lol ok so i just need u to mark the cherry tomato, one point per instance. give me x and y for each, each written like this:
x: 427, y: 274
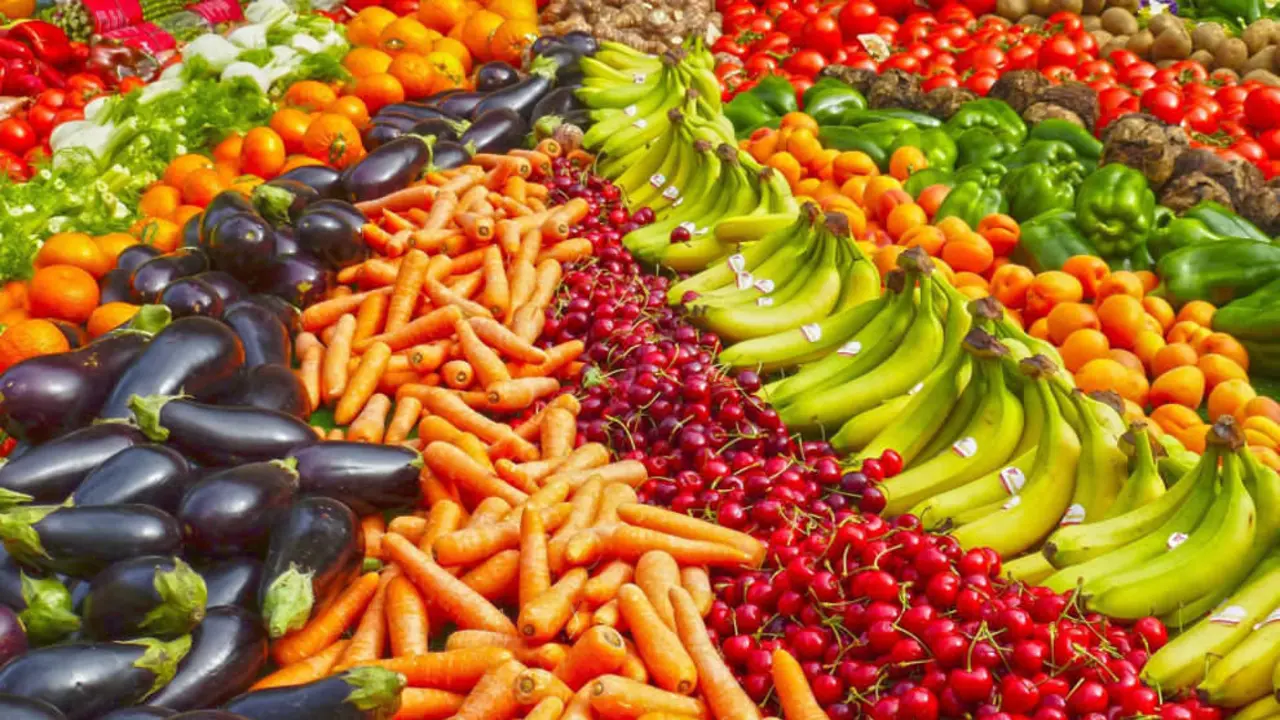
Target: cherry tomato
x: 860, y: 60
x: 1262, y: 108
x: 1085, y: 42
x: 778, y: 43
x: 760, y: 24
x: 807, y: 63
x: 1200, y: 119
x: 1067, y: 20
x: 962, y: 15
x: 68, y: 115
x: 41, y: 118
x: 821, y: 33
x: 940, y: 80
x: 1250, y: 150
x: 809, y: 8
x: 728, y: 45
x: 760, y: 64
x: 789, y: 22
x: 858, y: 17
x: 1112, y: 98
x: 1058, y: 74
x: 945, y: 60
x: 886, y: 27
x: 774, y: 8
x: 1190, y: 70
x: 985, y: 56
x: 1059, y: 50
x: 911, y: 33
x: 55, y: 98
x: 1021, y: 57
x: 903, y: 62
x: 1163, y: 101
x: 17, y: 135
x: 1140, y: 69
x: 1141, y: 85
x: 981, y: 81
x: 12, y: 166
x: 920, y: 51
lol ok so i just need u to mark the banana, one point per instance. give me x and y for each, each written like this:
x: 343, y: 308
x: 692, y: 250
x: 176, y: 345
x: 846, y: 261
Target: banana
x: 685, y: 179
x: 658, y: 155
x: 1031, y: 515
x: 867, y: 425
x: 747, y: 228
x: 1144, y: 484
x: 1103, y: 467
x: 1028, y: 569
x: 860, y: 280
x: 706, y: 190
x: 1244, y: 674
x: 621, y: 55
x: 953, y: 422
x: 1268, y: 708
x: 1181, y: 663
x: 703, y: 248
x: 644, y: 129
x: 747, y: 258
x: 609, y: 122
x: 646, y: 191
x: 651, y: 248
x: 923, y: 412
x: 787, y: 262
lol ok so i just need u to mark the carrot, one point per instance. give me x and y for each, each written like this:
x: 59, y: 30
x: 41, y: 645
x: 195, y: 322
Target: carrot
x: 497, y: 578
x: 496, y: 336
x: 451, y: 670
x: 532, y: 427
x: 453, y: 465
x: 542, y: 618
x: 407, y: 623
x: 580, y: 159
x: 534, y: 685
x: 614, y: 697
x: 442, y: 296
x: 547, y: 656
x: 369, y: 640
x: 457, y: 374
x: 429, y: 356
x: 373, y: 527
x: 667, y: 660
x: 475, y: 449
x: 434, y: 239
x: 434, y: 490
x: 558, y: 357
x: 497, y: 294
x: 514, y: 187
x: 475, y: 543
x: 362, y: 383
x: 513, y: 395
x: 435, y: 325
x: 550, y: 148
x: 724, y: 696
x: 633, y: 667
x: 612, y: 495
x: 603, y: 586
x: 442, y: 209
x: 489, y: 161
x: 548, y: 495
x: 550, y: 708
x: 467, y: 176
x: 469, y: 261
x: 326, y: 627
x: 631, y: 473
x: 476, y: 227
x: 493, y: 697
x: 567, y: 251
x: 629, y: 543
x: 656, y: 573
x: 370, y: 317
x: 513, y: 446
x: 427, y: 704
x: 599, y: 651
x: 559, y: 429
x: 404, y: 296
x: 489, y: 511
x: 608, y: 614
x: 434, y: 427
x: 585, y: 503
x: 578, y: 623
x: 488, y: 366
x: 371, y: 424
x: 466, y: 607
x: 465, y: 286
x: 408, y: 410
x: 309, y: 374
x: 305, y: 670
x: 586, y: 457
x: 411, y: 527
x: 655, y: 518
x: 535, y: 574
x: 444, y: 517
x: 539, y: 161
x: 408, y: 197
x: 793, y: 691
x: 525, y: 475
x: 697, y: 583
x: 336, y: 434
x: 334, y: 371
x: 447, y: 405
x: 579, y: 708
x: 326, y: 312
x: 523, y: 275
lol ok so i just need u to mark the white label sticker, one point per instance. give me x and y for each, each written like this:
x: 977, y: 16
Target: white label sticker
x: 744, y: 280
x: 849, y: 349
x: 1074, y: 515
x: 1274, y: 617
x: 639, y: 78
x: 876, y: 47
x: 671, y: 193
x: 764, y: 285
x: 965, y: 447
x: 694, y: 228
x: 1012, y: 478
x: 1156, y: 7
x: 1175, y: 540
x: 640, y: 124
x: 812, y: 332
x: 1230, y: 615
x: 736, y: 261
x: 764, y: 301
x: 916, y: 388
x: 677, y: 202
x: 630, y: 110
x: 1012, y: 503
x: 657, y: 179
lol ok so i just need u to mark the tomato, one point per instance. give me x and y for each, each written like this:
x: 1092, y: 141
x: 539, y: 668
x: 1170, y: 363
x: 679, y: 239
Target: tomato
x: 129, y: 84
x: 1224, y: 76
x: 760, y: 64
x: 1094, y: 69
x: 1021, y: 57
x: 729, y: 46
x: 940, y: 80
x: 1250, y: 150
x: 962, y: 15
x: 821, y: 33
x: 83, y: 87
x: 1112, y: 98
x: 1140, y: 69
x: 807, y: 63
x: 11, y: 166
x: 1059, y: 50
x: 774, y: 8
x: 801, y: 84
x: 1141, y: 85
x: 1190, y: 70
x: 1200, y: 119
x: 1262, y: 108
x: 778, y: 43
x: 1085, y: 42
x: 41, y: 118
x: 944, y: 60
x: 981, y: 81
x: 1163, y: 101
x: 737, y: 15
x: 911, y: 33
x: 887, y: 27
x: 920, y: 51
x: 36, y: 154
x: 860, y: 60
x: 1068, y: 21
x: 985, y: 56
x: 760, y: 24
x: 17, y: 135
x: 68, y: 115
x: 1199, y: 90
x: 903, y: 62
x: 789, y: 22
x: 57, y: 98
x: 858, y: 17
x: 809, y: 8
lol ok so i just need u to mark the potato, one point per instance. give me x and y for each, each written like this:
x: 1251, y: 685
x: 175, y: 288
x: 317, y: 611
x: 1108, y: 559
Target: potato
x: 1266, y: 77
x: 1164, y: 21
x: 1130, y: 5
x: 1094, y: 7
x: 1012, y: 9
x: 1258, y: 35
x: 1231, y: 53
x: 1119, y: 42
x: 1204, y: 57
x: 1140, y: 43
x: 1043, y: 8
x: 1171, y: 45
x: 1072, y: 6
x: 1207, y: 36
x: 1264, y: 59
x: 1102, y: 37
x: 1119, y: 21
x: 1091, y: 22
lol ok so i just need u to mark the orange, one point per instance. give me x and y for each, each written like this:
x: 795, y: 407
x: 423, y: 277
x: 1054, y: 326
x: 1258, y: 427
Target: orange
x: 310, y: 95
x: 64, y: 292
x: 1221, y: 343
x: 1081, y: 346
x: 906, y: 160
x: 449, y: 69
x: 74, y: 249
x: 291, y: 125
x: 1065, y: 318
x: 112, y: 244
x: 1198, y: 312
x: 297, y: 161
x: 333, y: 139
x: 441, y: 15
x: 163, y: 235
x: 513, y: 37
x: 185, y: 213
x: 406, y: 34
x: 1089, y: 270
x: 160, y: 200
x: 1050, y: 288
x: 1173, y: 355
x: 184, y: 165
x: 106, y: 318
x: 1218, y: 369
x: 379, y: 89
x: 363, y: 61
x: 201, y: 186
x: 1121, y: 282
x: 30, y: 338
x: 264, y: 152
x: 1181, y: 386
x: 477, y: 30
x: 229, y: 149
x: 368, y: 24
x: 1107, y: 374
x: 514, y: 9
x: 416, y: 75
x: 351, y: 108
x: 1121, y: 316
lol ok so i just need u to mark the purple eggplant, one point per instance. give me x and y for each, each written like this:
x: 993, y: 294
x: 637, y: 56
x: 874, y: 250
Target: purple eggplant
x: 87, y: 680
x: 286, y: 242
x: 400, y: 120
x: 191, y: 231
x: 561, y: 102
x: 316, y: 550
x: 495, y: 76
x: 270, y: 387
x: 197, y: 356
x: 147, y: 474
x: 393, y: 166
x: 496, y: 131
x: 459, y: 104
x: 133, y: 256
x: 228, y: 650
x: 447, y: 154
x: 299, y: 278
x: 523, y: 95
x: 223, y: 205
x: 52, y: 471
x: 281, y: 200
x: 367, y: 693
x: 114, y: 286
x: 265, y: 339
x: 368, y: 478
x: 441, y: 128
x: 190, y: 296
x: 242, y: 244
x: 13, y: 639
x: 544, y: 44
x: 17, y: 707
x: 220, y: 435
x: 321, y: 178
x: 230, y: 513
x: 345, y: 210
x: 332, y: 236
x: 154, y: 275
x: 154, y: 595
x: 584, y: 42
x: 11, y: 582
x: 210, y: 715
x: 565, y: 59
x: 225, y: 284
x: 84, y: 541
x: 140, y: 712
x: 415, y: 109
x: 381, y: 133
x: 233, y: 582
x: 284, y: 311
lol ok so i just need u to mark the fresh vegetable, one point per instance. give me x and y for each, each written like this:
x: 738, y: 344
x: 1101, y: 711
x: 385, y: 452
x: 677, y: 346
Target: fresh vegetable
x: 367, y: 478
x: 51, y: 471
x: 230, y: 512
x: 146, y: 474
x: 218, y: 434
x: 315, y: 550
x: 152, y: 596
x: 232, y: 582
x: 1115, y: 209
x: 358, y: 694
x: 194, y: 355
x: 83, y: 541
x: 228, y: 652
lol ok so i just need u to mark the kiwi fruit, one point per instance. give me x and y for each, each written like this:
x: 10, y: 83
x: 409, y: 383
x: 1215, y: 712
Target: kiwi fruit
x: 1140, y: 42
x: 1012, y: 9
x: 1266, y: 77
x: 1208, y: 36
x: 1119, y: 21
x: 1171, y: 45
x: 1162, y: 22
x: 1231, y: 53
x: 1258, y: 35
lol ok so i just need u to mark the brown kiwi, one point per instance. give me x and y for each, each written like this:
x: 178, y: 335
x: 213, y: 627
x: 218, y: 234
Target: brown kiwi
x: 1119, y: 42
x: 1204, y: 57
x: 1231, y: 53
x: 1119, y: 21
x: 1031, y: 20
x: 1094, y: 7
x: 1043, y: 8
x: 1171, y: 45
x: 1091, y: 22
x: 1266, y: 77
x: 1264, y: 59
x: 1072, y: 6
x: 1162, y: 22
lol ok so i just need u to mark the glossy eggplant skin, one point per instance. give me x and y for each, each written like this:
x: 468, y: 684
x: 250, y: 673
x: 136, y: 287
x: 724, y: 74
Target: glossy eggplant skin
x: 381, y: 133
x: 210, y: 715
x: 147, y: 474
x: 225, y: 284
x: 122, y: 598
x: 584, y: 42
x: 496, y: 130
x: 415, y: 110
x: 303, y: 195
x: 561, y: 102
x: 191, y: 296
x: 345, y: 210
x: 523, y: 95
x: 133, y: 256
x: 140, y: 712
x: 218, y: 435
x: 17, y: 707
x: 13, y: 636
x: 286, y: 243
x: 320, y: 699
x: 285, y: 311
x: 447, y: 155
x: 233, y: 583
x: 439, y: 128
x: 495, y: 76
x: 84, y: 541
x: 299, y: 278
x: 228, y: 650
x: 230, y: 513
x: 52, y: 471
x: 154, y: 275
x: 326, y: 181
x: 459, y: 105
x: 197, y: 356
x: 368, y: 478
x: 191, y: 231
x: 265, y: 339
x: 223, y: 205
x: 83, y: 680
x: 48, y: 395
x: 392, y: 166
x: 270, y: 387
x: 114, y: 286
x: 11, y: 582
x: 331, y: 236
x: 241, y: 244
x: 318, y: 542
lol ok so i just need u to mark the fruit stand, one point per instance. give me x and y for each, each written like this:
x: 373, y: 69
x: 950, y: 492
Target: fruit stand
x: 492, y: 359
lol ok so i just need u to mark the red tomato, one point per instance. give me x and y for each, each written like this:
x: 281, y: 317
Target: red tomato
x: 1250, y: 150
x: 940, y: 80
x: 41, y: 118
x: 778, y: 43
x: 12, y: 166
x: 1085, y: 42
x: 807, y: 63
x: 1068, y: 20
x: 729, y: 46
x: 774, y: 8
x: 1058, y: 74
x: 1138, y: 70
x: 911, y: 32
x: 821, y: 33
x: 68, y: 115
x: 1163, y: 101
x: 981, y: 81
x: 17, y: 136
x: 1112, y: 98
x: 760, y: 64
x: 1262, y: 108
x: 902, y: 61
x: 920, y: 51
x: 1094, y: 69
x: 958, y: 14
x: 1200, y: 119
x: 57, y: 98
x: 858, y: 17
x: 760, y: 24
x: 887, y: 27
x: 1190, y: 70
x: 809, y: 8
x: 129, y: 84
x: 801, y: 84
x: 1021, y: 57
x: 1141, y: 85
x: 1059, y: 50
x: 985, y: 56
x: 859, y: 59
x: 789, y: 22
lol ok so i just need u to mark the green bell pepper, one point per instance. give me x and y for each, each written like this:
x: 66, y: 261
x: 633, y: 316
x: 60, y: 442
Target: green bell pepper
x: 778, y: 94
x: 993, y: 115
x: 1219, y: 272
x: 927, y: 178
x: 1223, y: 221
x: 829, y: 99
x: 1049, y: 152
x: 1038, y: 188
x: 938, y: 147
x: 1047, y: 241
x: 987, y: 173
x: 1255, y: 316
x: 839, y: 137
x: 866, y: 117
x: 885, y: 132
x: 1088, y: 148
x: 1179, y: 233
x: 1116, y: 211
x: 977, y: 144
x: 749, y: 113
x: 971, y: 202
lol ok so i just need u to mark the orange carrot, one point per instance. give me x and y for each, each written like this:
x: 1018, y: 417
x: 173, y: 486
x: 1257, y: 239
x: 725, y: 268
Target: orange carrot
x: 697, y: 583
x: 435, y: 325
x: 539, y: 161
x: 444, y: 517
x: 326, y: 312
x: 489, y: 161
x: 514, y: 188
x: 633, y: 667
x: 309, y: 374
x: 476, y: 227
x: 542, y: 618
x: 373, y: 526
x: 603, y: 586
x: 534, y: 685
x: 325, y: 628
x: 452, y: 670
x: 362, y: 384
x: 794, y: 694
x: 535, y: 575
x: 559, y: 429
x: 466, y: 285
x: 334, y: 372
x: 580, y: 159
x: 427, y: 704
x: 475, y: 449
x: 414, y: 195
x: 656, y: 573
x: 411, y: 527
x: 532, y: 427
x: 548, y: 495
x: 496, y: 336
x: 568, y: 251
x: 371, y: 424
x: 724, y: 696
x: 407, y: 621
x: 629, y: 543
x: 608, y: 614
x: 513, y: 395
x: 442, y: 296
x: 404, y: 297
x: 451, y: 464
x: 369, y: 640
x: 667, y: 660
x: 489, y: 511
x: 477, y: 542
x: 628, y: 472
x: 614, y: 697
x: 497, y: 578
x: 370, y: 317
x: 408, y: 410
x: 457, y: 374
x: 470, y: 201
x: 442, y: 208
x: 585, y: 503
x: 550, y: 148
x: 434, y: 490
x: 550, y: 708
x: 547, y: 656
x: 375, y: 237
x: 466, y: 607
x: 488, y: 366
x: 468, y: 261
x: 558, y: 357
x: 655, y: 518
x: 497, y: 294
x: 586, y: 457
x: 666, y: 716
x: 429, y: 356
x: 493, y: 697
x: 599, y: 651
x: 306, y: 670
x: 446, y: 404
x: 434, y: 239
x: 336, y: 434
x: 579, y: 708
x: 523, y: 277
x: 524, y: 475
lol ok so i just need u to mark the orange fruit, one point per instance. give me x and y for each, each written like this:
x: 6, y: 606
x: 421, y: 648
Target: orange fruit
x: 1146, y: 345
x: 163, y: 235
x: 201, y: 186
x: 478, y: 30
x: 291, y: 125
x: 106, y: 318
x: 1121, y: 282
x: 160, y: 200
x: 1107, y: 374
x: 1218, y: 369
x: 185, y: 213
x: 184, y: 165
x: 297, y: 161
x: 1127, y: 359
x: 1261, y: 406
x: 1172, y: 355
x: 112, y: 244
x: 1229, y: 397
x: 1065, y: 318
x: 1121, y: 316
x: 229, y: 149
x: 310, y: 95
x: 1159, y: 309
x: 30, y: 338
x: 1221, y: 343
x: 906, y: 160
x: 363, y: 61
x: 64, y: 292
x: 514, y: 9
x: 74, y: 249
x: 1181, y: 386
x: 449, y: 70
x: 264, y: 152
x: 416, y: 74
x: 406, y: 34
x: 368, y: 24
x: 441, y: 15
x: 456, y: 49
x: 379, y: 89
x: 1049, y: 289
x: 333, y: 139
x: 509, y: 41
x: 1081, y: 346
x: 351, y: 108
x: 1198, y: 312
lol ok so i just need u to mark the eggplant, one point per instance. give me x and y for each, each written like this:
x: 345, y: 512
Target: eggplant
x: 242, y: 244
x: 233, y: 583
x: 87, y: 680
x: 323, y: 179
x: 224, y: 205
x: 345, y: 210
x: 583, y: 42
x: 265, y: 339
x: 220, y: 435
x: 146, y: 474
x: 565, y: 60
x: 197, y: 356
x: 544, y: 44
x: 154, y: 595
x: 189, y: 296
x: 209, y: 715
x: 140, y: 712
x: 132, y: 257
x: 50, y: 472
x: 228, y: 650
x: 393, y: 166
x: 316, y: 550
x: 114, y: 286
x: 441, y: 128
x: 11, y: 582
x: 230, y: 513
x: 366, y: 693
x: 332, y: 237
x: 561, y: 102
x: 400, y: 120
x: 496, y: 131
x: 368, y: 478
x: 282, y: 200
x: 459, y: 105
x: 284, y: 311
x: 75, y: 335
x: 17, y: 707
x: 48, y: 395
x: 381, y: 133
x: 495, y: 76
x: 286, y: 242
x: 417, y: 110
x: 48, y: 614
x: 523, y: 95
x: 299, y: 278
x: 84, y: 541
x: 154, y: 275
x: 191, y: 231
x: 447, y: 154
x: 225, y: 284
x: 270, y: 387
x: 13, y: 638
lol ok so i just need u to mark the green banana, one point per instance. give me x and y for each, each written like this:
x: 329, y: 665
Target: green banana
x: 870, y: 424
x: 1144, y: 484
x: 803, y: 344
x: 1244, y: 674
x: 1028, y: 569
x: 1103, y: 467
x: 1267, y: 708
